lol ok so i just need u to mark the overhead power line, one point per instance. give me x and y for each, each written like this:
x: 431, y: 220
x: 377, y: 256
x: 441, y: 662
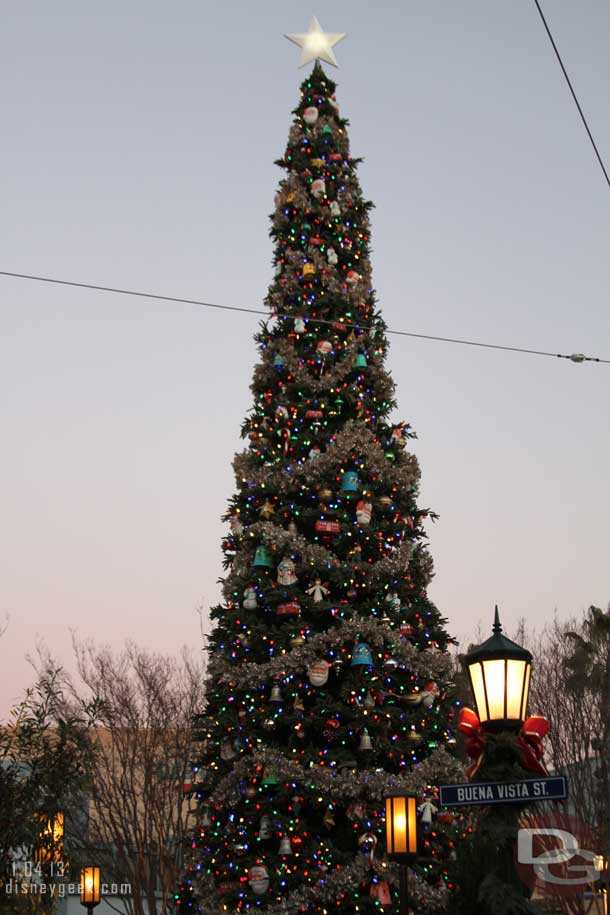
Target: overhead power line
x: 573, y: 357
x: 580, y: 111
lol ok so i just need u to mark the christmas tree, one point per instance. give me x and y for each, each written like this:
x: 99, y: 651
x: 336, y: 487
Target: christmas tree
x: 328, y: 666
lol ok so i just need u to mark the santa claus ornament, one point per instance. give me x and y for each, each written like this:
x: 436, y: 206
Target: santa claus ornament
x: 318, y: 188
x: 310, y: 115
x: 258, y: 878
x: 286, y: 574
x: 364, y: 512
x: 318, y: 673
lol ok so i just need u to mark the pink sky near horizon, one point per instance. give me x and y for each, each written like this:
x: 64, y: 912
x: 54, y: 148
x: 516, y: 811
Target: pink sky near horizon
x: 138, y: 153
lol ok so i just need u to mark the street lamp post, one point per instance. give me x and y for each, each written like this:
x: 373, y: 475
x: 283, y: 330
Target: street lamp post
x: 90, y: 891
x: 401, y: 838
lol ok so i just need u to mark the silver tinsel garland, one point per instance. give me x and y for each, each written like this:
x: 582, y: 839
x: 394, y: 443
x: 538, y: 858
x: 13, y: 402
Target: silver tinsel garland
x: 341, y: 785
x: 429, y: 664
x: 354, y: 438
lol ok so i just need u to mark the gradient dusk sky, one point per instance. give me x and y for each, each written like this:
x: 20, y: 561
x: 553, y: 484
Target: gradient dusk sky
x: 137, y: 151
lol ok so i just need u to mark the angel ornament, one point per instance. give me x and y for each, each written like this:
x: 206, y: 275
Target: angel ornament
x: 317, y: 591
x: 427, y: 810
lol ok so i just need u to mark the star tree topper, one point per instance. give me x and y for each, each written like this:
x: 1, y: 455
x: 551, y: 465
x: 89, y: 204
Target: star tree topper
x: 316, y: 44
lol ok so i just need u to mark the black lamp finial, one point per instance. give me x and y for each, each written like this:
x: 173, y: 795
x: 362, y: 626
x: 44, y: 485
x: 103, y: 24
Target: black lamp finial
x: 497, y: 627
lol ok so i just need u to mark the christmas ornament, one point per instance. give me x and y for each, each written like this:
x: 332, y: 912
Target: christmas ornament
x: 285, y: 846
x: 429, y: 694
x: 335, y: 209
x: 298, y: 704
x: 324, y: 347
x: 309, y: 271
x: 360, y: 362
x: 317, y: 591
x: 352, y: 278
x: 329, y: 819
x: 281, y: 414
x: 289, y: 608
x: 292, y: 529
x: 318, y: 188
x: 365, y: 741
x: 298, y: 640
x: 318, y: 673
x: 249, y: 602
x: 267, y: 509
x: 362, y: 654
x: 269, y: 724
x: 384, y: 502
x: 356, y: 810
x: 286, y: 574
x: 278, y: 361
x: 414, y: 738
x: 258, y: 878
x: 350, y: 481
x: 299, y: 326
x: 328, y: 527
x: 364, y: 511
x: 262, y: 557
x: 314, y: 453
x: 206, y: 819
x: 331, y: 257
x: 406, y: 629
x: 427, y: 810
x: 325, y: 495
x: 276, y: 694
x: 316, y: 44
x: 368, y: 701
x: 236, y: 525
x: 310, y: 115
x: 367, y: 843
x: 265, y: 829
x: 381, y: 892
x: 393, y: 600
x: 227, y: 751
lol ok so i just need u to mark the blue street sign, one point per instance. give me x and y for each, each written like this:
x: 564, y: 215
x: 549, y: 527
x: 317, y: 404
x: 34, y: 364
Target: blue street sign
x: 531, y: 789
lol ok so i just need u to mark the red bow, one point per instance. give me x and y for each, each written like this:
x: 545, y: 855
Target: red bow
x: 530, y: 739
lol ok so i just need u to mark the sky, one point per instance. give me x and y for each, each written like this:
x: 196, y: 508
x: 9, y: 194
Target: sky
x: 138, y: 148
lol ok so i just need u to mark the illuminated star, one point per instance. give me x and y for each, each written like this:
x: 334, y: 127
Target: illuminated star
x: 316, y: 44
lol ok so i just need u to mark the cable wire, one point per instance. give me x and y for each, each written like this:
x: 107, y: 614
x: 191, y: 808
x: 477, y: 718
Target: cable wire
x: 584, y: 120
x: 573, y: 357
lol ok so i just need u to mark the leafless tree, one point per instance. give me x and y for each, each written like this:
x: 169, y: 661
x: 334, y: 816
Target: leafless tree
x: 139, y: 764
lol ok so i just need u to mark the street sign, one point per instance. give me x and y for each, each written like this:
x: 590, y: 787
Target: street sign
x: 531, y: 789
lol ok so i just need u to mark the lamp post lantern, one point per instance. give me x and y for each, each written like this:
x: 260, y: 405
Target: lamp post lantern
x: 499, y: 672
x: 401, y: 838
x: 90, y: 890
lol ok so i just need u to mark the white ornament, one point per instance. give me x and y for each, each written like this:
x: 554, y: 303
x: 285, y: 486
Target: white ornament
x: 331, y: 256
x: 317, y: 591
x: 427, y: 810
x: 314, y: 453
x: 364, y: 512
x: 318, y: 188
x: 335, y: 209
x: 286, y: 572
x: 236, y: 525
x: 318, y: 673
x: 292, y: 529
x: 310, y: 115
x: 393, y: 600
x: 299, y: 326
x: 316, y: 44
x: 265, y: 830
x: 258, y: 878
x: 250, y: 599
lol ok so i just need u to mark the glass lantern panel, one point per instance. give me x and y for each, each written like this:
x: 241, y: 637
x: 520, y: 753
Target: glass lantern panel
x: 494, y: 672
x: 478, y: 688
x: 515, y: 676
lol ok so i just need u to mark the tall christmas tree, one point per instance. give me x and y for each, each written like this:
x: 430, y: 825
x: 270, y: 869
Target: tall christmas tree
x: 327, y: 663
